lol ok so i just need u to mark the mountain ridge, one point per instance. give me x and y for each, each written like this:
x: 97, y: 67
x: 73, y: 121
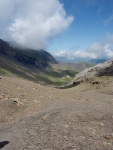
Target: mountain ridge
x: 38, y: 66
x: 39, y: 58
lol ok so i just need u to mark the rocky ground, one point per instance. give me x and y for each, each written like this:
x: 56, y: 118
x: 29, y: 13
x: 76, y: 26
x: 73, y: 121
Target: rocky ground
x: 37, y: 117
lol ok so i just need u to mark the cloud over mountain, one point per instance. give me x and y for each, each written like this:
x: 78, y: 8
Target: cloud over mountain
x: 32, y: 23
x: 95, y: 51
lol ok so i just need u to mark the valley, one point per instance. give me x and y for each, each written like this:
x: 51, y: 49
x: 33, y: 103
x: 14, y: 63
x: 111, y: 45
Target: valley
x: 38, y: 110
x: 56, y: 75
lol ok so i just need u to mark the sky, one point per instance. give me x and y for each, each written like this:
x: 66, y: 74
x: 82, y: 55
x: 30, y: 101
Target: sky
x: 73, y: 29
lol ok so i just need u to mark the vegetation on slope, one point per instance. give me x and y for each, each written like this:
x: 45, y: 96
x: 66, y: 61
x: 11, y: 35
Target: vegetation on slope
x: 37, y: 66
x: 48, y: 75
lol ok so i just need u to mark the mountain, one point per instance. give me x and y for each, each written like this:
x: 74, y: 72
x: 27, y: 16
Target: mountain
x: 67, y: 60
x: 38, y: 66
x: 80, y: 66
x: 97, y: 61
x: 35, y: 58
x: 80, y: 60
x: 87, y: 75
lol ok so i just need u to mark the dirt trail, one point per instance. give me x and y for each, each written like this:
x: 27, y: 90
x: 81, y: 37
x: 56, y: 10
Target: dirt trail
x: 37, y: 117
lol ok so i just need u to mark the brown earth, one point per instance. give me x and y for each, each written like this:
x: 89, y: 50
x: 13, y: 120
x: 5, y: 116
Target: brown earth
x: 37, y: 117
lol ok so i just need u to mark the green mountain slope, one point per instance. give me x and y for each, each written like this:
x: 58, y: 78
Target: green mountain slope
x: 38, y: 66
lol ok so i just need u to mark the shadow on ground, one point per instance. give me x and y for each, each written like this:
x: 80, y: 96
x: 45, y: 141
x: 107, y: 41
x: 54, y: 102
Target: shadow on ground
x: 2, y: 144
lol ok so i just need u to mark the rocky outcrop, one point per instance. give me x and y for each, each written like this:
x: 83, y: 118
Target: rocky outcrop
x: 102, y: 69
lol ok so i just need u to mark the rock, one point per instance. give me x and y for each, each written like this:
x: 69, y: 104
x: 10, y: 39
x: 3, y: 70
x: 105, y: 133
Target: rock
x: 16, y: 101
x: 102, y: 69
x: 108, y: 137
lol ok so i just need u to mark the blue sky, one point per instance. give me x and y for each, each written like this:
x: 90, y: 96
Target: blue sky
x: 73, y: 29
x: 93, y: 24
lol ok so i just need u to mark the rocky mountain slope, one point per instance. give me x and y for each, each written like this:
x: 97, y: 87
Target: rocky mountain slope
x: 102, y: 69
x: 80, y: 66
x: 26, y: 56
x: 39, y: 66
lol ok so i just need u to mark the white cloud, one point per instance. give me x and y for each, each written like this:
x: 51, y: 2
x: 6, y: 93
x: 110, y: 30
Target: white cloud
x: 102, y: 50
x: 64, y: 53
x: 74, y: 55
x: 95, y: 51
x: 32, y: 23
